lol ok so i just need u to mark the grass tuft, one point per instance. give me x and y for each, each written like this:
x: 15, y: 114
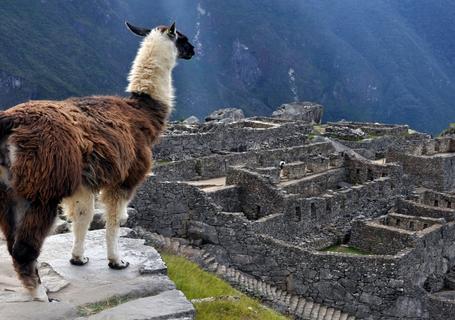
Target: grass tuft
x: 94, y: 308
x: 196, y: 283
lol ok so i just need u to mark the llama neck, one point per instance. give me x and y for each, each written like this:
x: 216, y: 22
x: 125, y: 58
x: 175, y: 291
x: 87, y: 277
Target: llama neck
x: 151, y: 73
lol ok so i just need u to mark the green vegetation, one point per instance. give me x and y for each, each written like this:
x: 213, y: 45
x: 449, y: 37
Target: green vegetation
x: 384, y: 63
x: 345, y: 249
x: 449, y: 131
x: 198, y: 284
x: 162, y: 161
x: 93, y: 308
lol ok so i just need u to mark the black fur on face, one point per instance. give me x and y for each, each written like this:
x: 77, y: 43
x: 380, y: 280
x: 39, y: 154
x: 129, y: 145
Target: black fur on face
x: 184, y: 47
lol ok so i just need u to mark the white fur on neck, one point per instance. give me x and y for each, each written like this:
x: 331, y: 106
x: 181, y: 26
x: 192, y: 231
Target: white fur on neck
x: 152, y: 69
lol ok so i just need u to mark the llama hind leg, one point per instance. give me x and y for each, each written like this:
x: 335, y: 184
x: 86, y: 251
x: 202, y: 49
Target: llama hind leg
x: 7, y: 217
x: 80, y: 208
x: 116, y: 202
x: 31, y: 231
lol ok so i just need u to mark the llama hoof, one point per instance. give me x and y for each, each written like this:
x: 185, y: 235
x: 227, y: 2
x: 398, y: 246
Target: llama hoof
x: 39, y: 294
x: 118, y: 265
x: 53, y: 300
x: 79, y: 261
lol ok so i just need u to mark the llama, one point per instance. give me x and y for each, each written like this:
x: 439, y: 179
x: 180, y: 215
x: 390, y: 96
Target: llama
x: 54, y: 152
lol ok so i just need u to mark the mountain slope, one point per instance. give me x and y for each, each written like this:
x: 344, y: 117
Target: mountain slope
x: 378, y: 60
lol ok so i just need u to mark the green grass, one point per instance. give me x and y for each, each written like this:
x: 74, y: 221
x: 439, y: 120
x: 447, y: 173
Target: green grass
x: 162, y: 161
x: 93, y: 308
x: 196, y: 283
x: 345, y: 249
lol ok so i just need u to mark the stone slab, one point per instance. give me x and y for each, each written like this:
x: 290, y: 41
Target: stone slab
x: 76, y: 286
x: 167, y: 305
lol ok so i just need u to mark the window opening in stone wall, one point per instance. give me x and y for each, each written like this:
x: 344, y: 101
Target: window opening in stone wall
x: 449, y: 204
x: 370, y: 175
x: 436, y: 203
x: 313, y: 209
x: 298, y: 214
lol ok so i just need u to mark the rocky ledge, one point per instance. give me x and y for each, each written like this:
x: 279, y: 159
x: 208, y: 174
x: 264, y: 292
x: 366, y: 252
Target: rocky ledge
x: 149, y: 293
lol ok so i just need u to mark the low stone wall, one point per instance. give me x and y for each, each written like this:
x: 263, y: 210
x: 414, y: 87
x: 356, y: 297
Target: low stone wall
x: 361, y: 171
x: 257, y: 196
x: 230, y: 137
x: 416, y: 209
x: 314, y: 185
x: 374, y: 128
x: 377, y: 147
x: 438, y: 199
x: 228, y: 198
x: 433, y: 172
x: 375, y: 238
x: 217, y: 165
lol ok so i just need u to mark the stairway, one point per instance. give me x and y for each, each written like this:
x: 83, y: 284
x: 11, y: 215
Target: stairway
x: 297, y: 306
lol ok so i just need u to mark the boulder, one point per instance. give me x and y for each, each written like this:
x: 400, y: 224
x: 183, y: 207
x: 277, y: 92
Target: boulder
x: 345, y: 133
x: 303, y: 111
x: 226, y: 115
x: 191, y: 120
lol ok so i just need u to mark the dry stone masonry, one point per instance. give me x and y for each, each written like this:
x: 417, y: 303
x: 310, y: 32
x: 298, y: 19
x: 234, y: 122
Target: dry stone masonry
x: 355, y: 217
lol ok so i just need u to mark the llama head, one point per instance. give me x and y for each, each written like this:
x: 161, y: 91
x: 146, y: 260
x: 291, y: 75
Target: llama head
x: 169, y: 36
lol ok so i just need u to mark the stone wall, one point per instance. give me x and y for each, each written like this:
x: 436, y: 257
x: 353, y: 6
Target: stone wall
x: 229, y: 137
x: 217, y: 165
x: 412, y: 208
x: 375, y: 129
x: 438, y: 199
x: 257, y: 195
x: 375, y: 238
x: 434, y: 172
x: 350, y: 283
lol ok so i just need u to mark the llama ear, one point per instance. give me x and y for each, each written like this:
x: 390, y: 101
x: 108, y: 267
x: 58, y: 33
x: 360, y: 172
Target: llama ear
x: 142, y: 32
x: 172, y: 29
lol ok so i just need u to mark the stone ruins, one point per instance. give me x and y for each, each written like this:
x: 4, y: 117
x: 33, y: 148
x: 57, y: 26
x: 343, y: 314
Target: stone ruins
x: 341, y: 220
x: 334, y: 221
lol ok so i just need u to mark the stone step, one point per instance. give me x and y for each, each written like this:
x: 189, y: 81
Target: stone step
x: 293, y: 304
x: 315, y: 311
x: 205, y: 255
x: 336, y: 315
x: 344, y: 316
x: 307, y: 309
x: 167, y: 305
x: 450, y: 280
x: 300, y: 307
x: 209, y: 260
x: 322, y: 313
x: 329, y: 314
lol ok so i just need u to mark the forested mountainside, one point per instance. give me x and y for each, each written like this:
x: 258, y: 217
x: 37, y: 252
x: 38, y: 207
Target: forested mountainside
x: 378, y: 60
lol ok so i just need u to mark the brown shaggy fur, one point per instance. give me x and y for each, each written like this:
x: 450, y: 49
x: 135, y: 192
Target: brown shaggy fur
x: 97, y: 142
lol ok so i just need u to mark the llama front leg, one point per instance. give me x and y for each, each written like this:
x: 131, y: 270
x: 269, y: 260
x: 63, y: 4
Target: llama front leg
x: 116, y: 211
x: 80, y: 208
x: 32, y: 229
